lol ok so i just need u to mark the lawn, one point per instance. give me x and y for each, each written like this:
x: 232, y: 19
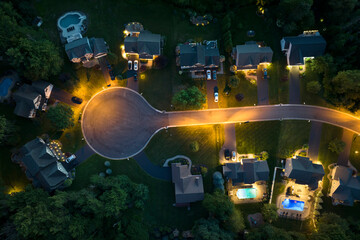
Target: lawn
x: 176, y: 141
x: 355, y: 153
x: 326, y: 157
x: 278, y: 82
x: 159, y: 209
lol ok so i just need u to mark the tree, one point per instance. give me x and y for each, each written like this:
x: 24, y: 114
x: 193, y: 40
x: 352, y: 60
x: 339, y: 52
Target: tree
x: 209, y: 229
x: 269, y: 212
x: 313, y: 87
x: 113, y: 58
x: 7, y: 130
x: 236, y: 222
x: 269, y: 232
x: 336, y: 146
x: 332, y: 227
x: 218, y: 181
x: 264, y: 155
x: 234, y: 81
x: 38, y: 59
x: 61, y: 116
x: 160, y: 62
x: 219, y: 205
x: 194, y: 146
x: 190, y: 98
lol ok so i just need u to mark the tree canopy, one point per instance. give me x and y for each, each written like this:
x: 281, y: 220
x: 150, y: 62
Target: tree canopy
x: 190, y: 98
x: 209, y: 229
x: 7, y: 129
x: 219, y: 205
x: 269, y: 212
x: 336, y: 145
x: 61, y: 116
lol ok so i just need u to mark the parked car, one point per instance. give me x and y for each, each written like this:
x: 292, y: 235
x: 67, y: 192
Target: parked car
x: 136, y: 65
x: 135, y: 77
x: 69, y: 159
x: 108, y: 65
x: 216, y: 97
x: 227, y: 154
x: 130, y: 65
x: 265, y: 73
x: 208, y: 74
x: 233, y: 154
x: 112, y: 75
x: 76, y: 100
x: 109, y: 85
x: 214, y: 74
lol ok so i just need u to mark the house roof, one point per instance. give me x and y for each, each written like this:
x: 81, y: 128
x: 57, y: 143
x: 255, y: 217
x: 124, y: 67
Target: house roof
x: 42, y: 165
x: 188, y: 188
x: 248, y: 171
x: 304, y: 171
x: 146, y: 43
x: 192, y: 55
x: 25, y: 99
x: 78, y: 48
x: 99, y: 46
x: 344, y: 186
x: 303, y: 46
x: 251, y: 54
x: 40, y: 86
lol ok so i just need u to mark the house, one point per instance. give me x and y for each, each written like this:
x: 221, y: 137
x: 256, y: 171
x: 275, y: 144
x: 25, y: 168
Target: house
x: 196, y: 57
x: 85, y: 49
x: 41, y: 164
x: 303, y: 171
x: 188, y: 188
x: 308, y: 45
x: 345, y: 188
x: 250, y: 55
x: 248, y: 171
x: 30, y: 98
x: 145, y: 46
x: 133, y: 29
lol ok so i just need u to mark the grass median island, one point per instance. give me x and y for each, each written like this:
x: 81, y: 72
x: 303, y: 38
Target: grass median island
x: 158, y: 209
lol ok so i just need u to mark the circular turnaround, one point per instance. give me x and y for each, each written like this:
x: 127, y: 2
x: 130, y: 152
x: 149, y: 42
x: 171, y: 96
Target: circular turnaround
x: 117, y: 123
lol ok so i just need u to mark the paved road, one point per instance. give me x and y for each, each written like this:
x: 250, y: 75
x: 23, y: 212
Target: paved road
x: 294, y: 86
x: 262, y: 87
x: 314, y: 140
x: 344, y: 156
x: 117, y: 123
x: 163, y: 173
x: 210, y: 84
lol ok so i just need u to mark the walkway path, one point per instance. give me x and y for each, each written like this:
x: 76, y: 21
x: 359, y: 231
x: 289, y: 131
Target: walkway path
x: 344, y: 156
x: 294, y: 86
x: 152, y: 169
x: 176, y: 157
x: 262, y: 87
x: 314, y: 140
x: 123, y: 128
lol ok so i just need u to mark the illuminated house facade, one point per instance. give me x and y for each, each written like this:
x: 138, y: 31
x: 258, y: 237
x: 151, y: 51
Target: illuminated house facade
x: 250, y: 55
x: 298, y: 49
x: 84, y: 49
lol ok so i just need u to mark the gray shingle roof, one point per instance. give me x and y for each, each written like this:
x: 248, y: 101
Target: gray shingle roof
x: 78, y: 48
x: 146, y: 44
x: 302, y: 46
x: 344, y: 187
x: 249, y: 172
x: 198, y: 55
x: 25, y: 99
x: 304, y: 171
x: 188, y: 188
x: 99, y: 46
x: 251, y: 55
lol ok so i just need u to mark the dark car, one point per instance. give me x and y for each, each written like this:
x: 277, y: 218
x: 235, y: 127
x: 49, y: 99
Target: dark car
x: 76, y: 100
x: 112, y: 75
x: 214, y: 74
x: 227, y: 154
x: 135, y: 77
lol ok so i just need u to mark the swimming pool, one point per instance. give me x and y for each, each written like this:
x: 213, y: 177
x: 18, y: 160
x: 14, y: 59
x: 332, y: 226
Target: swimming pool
x: 293, y: 204
x: 246, y: 193
x: 4, y: 86
x: 70, y: 19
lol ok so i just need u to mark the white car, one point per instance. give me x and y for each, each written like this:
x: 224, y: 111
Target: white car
x: 216, y: 97
x: 208, y: 74
x: 129, y: 64
x: 69, y: 159
x: 136, y: 65
x: 233, y: 156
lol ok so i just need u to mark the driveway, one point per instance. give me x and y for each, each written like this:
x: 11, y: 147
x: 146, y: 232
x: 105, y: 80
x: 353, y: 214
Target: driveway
x: 230, y: 140
x: 314, y: 140
x: 81, y: 155
x: 134, y: 85
x: 123, y: 128
x: 65, y: 97
x: 262, y: 87
x: 105, y: 70
x: 344, y: 156
x: 294, y: 86
x: 210, y: 84
x: 163, y: 173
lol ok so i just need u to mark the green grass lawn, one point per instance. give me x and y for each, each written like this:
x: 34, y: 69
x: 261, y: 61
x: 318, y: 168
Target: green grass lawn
x: 176, y: 141
x: 355, y: 152
x: 159, y: 209
x: 245, y: 87
x: 326, y: 157
x: 278, y: 85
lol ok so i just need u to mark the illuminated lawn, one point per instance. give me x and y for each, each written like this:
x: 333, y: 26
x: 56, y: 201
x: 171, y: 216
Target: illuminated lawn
x: 355, y: 153
x: 158, y: 209
x: 278, y: 87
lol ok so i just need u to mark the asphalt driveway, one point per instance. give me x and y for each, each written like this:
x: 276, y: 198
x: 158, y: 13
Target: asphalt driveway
x: 314, y: 140
x: 294, y: 86
x: 210, y: 85
x: 262, y: 87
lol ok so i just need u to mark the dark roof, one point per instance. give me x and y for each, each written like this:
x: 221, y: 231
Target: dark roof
x: 303, y: 46
x: 99, y: 46
x: 248, y: 171
x: 42, y: 165
x: 195, y: 55
x: 345, y: 187
x: 304, y: 171
x: 78, y: 48
x: 146, y: 44
x: 188, y: 188
x: 251, y: 55
x: 26, y: 98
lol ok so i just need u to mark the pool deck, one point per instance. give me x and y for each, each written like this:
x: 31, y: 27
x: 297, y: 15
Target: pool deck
x: 261, y: 189
x: 64, y: 34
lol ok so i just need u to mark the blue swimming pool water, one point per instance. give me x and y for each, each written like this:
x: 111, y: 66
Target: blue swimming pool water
x: 69, y: 19
x: 293, y: 204
x: 4, y: 86
x: 246, y: 193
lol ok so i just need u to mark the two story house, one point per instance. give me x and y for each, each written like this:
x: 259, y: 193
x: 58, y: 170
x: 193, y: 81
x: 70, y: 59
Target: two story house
x: 250, y: 55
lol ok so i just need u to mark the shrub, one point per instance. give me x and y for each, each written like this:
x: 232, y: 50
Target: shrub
x: 239, y: 97
x: 313, y: 87
x: 234, y: 81
x: 194, y: 146
x: 113, y: 59
x: 336, y: 146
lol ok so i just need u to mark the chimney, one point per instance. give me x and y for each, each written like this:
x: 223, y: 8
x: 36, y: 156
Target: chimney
x: 197, y: 180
